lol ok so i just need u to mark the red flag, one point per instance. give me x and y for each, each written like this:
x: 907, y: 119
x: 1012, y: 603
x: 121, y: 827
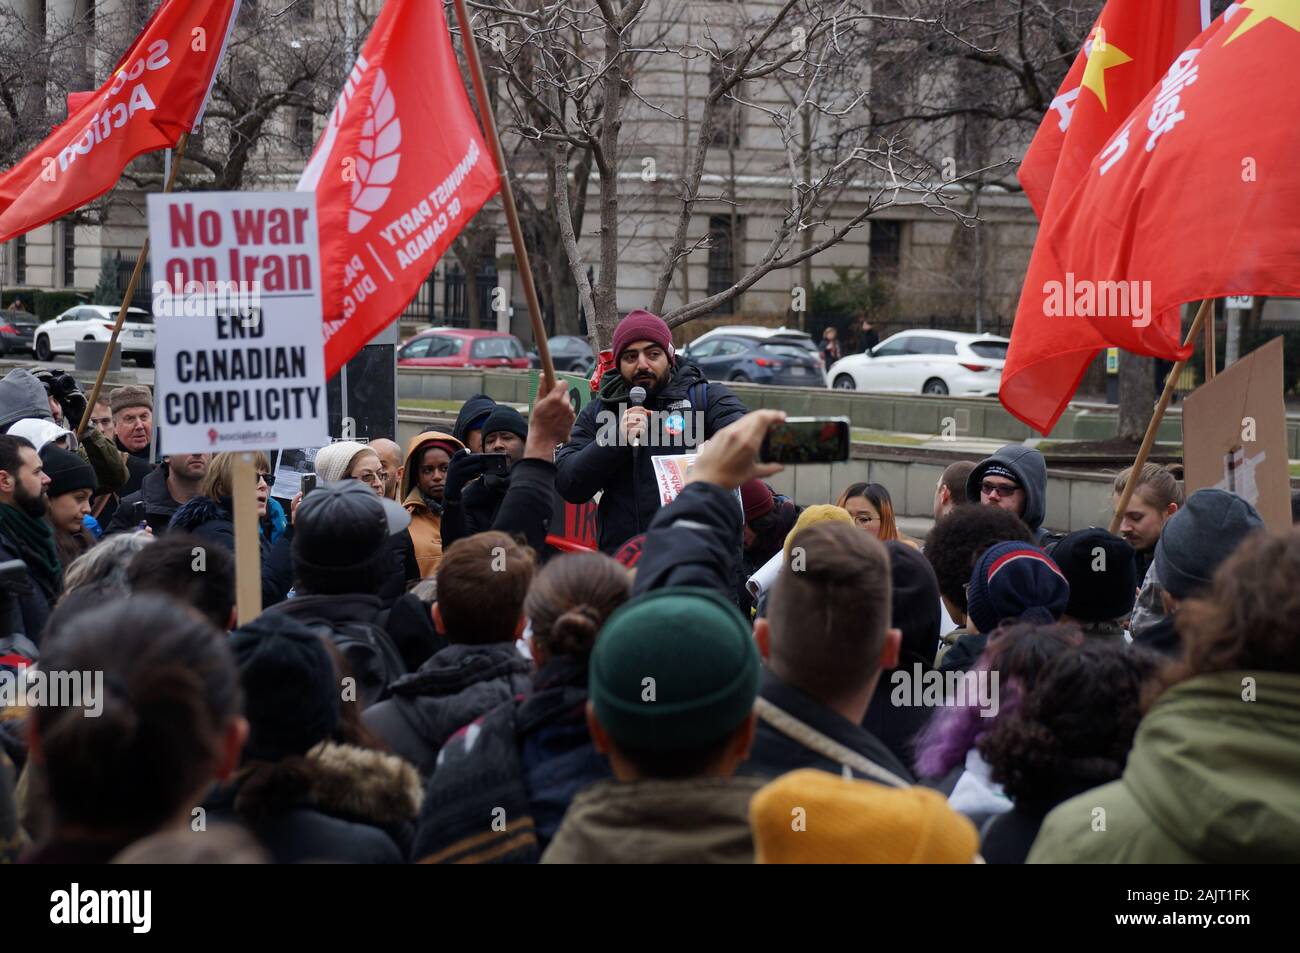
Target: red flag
x: 153, y: 96
x: 400, y: 170
x: 1129, y: 48
x: 1196, y: 195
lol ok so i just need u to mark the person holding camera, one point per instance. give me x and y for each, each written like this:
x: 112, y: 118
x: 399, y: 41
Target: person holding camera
x: 514, y: 495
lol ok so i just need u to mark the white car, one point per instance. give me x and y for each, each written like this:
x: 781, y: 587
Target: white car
x: 94, y: 322
x: 926, y: 362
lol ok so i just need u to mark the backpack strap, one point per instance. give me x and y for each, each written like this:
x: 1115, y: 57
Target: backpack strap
x: 698, y: 395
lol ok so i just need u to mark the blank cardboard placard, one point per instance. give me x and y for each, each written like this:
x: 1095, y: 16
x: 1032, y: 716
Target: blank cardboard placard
x: 1234, y: 435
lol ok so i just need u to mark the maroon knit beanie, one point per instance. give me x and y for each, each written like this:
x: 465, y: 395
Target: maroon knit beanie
x: 757, y: 500
x: 643, y: 326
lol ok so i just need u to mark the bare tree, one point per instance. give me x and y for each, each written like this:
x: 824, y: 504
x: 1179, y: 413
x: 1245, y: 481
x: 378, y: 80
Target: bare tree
x: 575, y: 73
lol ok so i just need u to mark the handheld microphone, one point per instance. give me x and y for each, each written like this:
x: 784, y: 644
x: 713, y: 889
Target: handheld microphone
x: 636, y: 397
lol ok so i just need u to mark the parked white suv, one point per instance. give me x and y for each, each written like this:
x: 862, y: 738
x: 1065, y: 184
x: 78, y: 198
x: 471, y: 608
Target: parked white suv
x: 94, y: 322
x: 921, y: 361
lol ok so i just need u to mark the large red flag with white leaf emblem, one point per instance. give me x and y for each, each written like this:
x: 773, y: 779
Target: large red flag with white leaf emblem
x: 1196, y: 195
x: 1129, y: 48
x: 400, y: 170
x: 151, y: 99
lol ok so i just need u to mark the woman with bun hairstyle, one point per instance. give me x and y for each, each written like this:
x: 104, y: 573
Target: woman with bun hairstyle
x: 531, y: 756
x: 166, y: 725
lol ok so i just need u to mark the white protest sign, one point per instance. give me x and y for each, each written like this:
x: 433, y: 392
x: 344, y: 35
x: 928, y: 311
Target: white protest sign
x: 237, y: 310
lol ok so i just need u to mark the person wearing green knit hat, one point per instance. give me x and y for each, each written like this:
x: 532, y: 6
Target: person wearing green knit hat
x: 672, y: 684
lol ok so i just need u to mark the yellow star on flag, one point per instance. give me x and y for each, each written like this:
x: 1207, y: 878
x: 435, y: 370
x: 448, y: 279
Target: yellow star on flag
x: 1288, y: 11
x: 1102, y: 57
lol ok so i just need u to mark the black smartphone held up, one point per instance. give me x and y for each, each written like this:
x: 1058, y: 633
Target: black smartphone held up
x: 807, y: 440
x: 308, y: 483
x: 137, y: 513
x: 498, y: 464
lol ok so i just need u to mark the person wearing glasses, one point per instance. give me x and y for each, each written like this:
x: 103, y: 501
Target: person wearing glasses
x: 350, y: 460
x: 210, y: 516
x: 1013, y: 479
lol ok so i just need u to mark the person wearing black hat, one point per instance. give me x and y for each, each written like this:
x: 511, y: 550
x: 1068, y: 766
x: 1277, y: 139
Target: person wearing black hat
x: 915, y: 610
x: 292, y: 703
x: 72, y: 483
x: 341, y: 558
x: 468, y: 428
x: 1102, y: 572
x: 521, y: 502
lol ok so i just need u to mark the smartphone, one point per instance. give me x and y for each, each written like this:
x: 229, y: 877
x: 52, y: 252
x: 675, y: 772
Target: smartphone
x: 308, y: 483
x: 498, y: 464
x: 807, y: 440
x: 137, y: 513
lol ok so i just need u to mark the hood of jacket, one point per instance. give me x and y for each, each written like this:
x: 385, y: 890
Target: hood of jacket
x: 22, y: 395
x: 692, y: 821
x: 1031, y: 473
x: 478, y: 405
x: 1218, y: 775
x: 193, y: 513
x: 345, y: 781
x: 614, y: 389
x: 409, y: 475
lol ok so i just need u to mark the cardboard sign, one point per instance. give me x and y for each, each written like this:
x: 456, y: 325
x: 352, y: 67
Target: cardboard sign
x: 237, y: 311
x: 1234, y: 435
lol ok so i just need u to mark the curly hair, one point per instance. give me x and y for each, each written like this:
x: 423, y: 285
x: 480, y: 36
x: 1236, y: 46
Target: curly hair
x: 1247, y: 618
x: 961, y: 537
x: 1018, y: 651
x: 1075, y: 726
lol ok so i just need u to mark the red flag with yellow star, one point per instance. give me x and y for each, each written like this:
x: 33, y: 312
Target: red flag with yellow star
x: 1128, y: 49
x: 1195, y: 196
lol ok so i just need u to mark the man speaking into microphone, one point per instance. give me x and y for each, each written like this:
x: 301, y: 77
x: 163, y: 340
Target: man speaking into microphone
x: 654, y: 405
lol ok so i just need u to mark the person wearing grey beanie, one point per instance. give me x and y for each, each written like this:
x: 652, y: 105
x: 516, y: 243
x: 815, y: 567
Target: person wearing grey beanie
x: 1194, y: 543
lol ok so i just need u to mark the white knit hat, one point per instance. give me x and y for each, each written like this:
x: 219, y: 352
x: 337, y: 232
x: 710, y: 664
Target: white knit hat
x: 332, y: 462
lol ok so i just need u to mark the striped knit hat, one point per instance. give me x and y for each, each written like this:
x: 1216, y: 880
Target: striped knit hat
x: 1015, y: 581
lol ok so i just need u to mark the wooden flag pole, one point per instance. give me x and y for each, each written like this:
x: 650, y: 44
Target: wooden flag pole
x: 126, y: 298
x: 1206, y: 308
x: 1210, y: 356
x: 507, y: 194
x: 248, y: 551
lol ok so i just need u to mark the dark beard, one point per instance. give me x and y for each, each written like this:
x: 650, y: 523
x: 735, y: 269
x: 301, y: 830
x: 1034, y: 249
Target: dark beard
x: 653, y: 387
x: 33, y: 506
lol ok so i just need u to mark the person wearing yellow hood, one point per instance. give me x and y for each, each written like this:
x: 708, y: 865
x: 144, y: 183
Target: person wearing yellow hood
x: 422, y: 478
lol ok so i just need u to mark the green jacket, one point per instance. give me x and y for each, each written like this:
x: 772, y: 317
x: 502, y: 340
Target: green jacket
x: 692, y: 821
x: 1212, y: 778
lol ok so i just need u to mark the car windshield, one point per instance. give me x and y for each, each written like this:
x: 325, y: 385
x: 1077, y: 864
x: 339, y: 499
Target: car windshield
x: 786, y: 351
x: 497, y: 347
x: 994, y: 349
x: 136, y: 316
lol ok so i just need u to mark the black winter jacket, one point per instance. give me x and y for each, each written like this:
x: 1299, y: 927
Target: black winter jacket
x: 529, y: 757
x: 518, y: 504
x: 159, y: 507
x: 212, y: 520
x: 593, y: 461
x: 449, y: 691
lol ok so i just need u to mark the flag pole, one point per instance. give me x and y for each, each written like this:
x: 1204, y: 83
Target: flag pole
x: 507, y: 194
x: 130, y: 293
x: 1210, y: 356
x: 1206, y: 308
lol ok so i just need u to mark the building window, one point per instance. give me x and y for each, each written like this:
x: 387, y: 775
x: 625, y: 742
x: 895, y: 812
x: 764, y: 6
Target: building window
x: 723, y: 242
x: 304, y: 129
x: 886, y: 247
x: 20, y: 260
x: 727, y: 116
x: 69, y: 254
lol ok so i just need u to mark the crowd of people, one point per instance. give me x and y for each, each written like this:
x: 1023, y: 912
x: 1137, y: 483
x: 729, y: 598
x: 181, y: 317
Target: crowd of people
x: 432, y: 679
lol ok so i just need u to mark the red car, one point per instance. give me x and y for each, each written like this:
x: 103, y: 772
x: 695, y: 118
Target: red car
x: 462, y: 347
